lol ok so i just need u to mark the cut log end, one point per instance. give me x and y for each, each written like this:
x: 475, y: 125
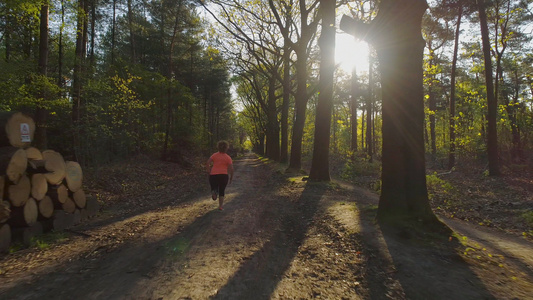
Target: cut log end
x: 19, y: 193
x: 18, y: 130
x: 39, y: 186
x: 79, y: 198
x: 46, y: 207
x: 73, y: 176
x: 56, y: 166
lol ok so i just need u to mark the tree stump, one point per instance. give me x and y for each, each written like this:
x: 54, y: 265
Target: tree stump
x: 18, y: 130
x: 62, y: 220
x: 56, y: 166
x: 13, y: 163
x: 19, y: 193
x: 5, y: 237
x: 84, y: 214
x: 39, y: 186
x: 77, y: 216
x: 73, y: 176
x: 92, y: 206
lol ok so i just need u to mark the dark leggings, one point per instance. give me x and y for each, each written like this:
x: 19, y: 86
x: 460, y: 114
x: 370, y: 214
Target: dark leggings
x: 218, y: 183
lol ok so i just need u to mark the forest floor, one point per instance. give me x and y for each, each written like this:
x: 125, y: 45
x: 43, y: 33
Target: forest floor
x: 160, y: 236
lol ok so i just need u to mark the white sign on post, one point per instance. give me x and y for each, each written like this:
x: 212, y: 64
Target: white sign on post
x: 25, y: 133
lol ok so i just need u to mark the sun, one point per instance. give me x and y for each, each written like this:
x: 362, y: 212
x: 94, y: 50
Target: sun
x: 349, y: 53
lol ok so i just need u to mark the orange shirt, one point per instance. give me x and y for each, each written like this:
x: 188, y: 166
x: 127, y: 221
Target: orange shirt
x: 221, y: 162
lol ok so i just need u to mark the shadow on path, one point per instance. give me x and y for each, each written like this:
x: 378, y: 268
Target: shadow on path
x: 404, y: 264
x: 258, y: 277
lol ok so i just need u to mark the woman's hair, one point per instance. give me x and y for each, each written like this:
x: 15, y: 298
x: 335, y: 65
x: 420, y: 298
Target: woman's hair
x: 222, y: 146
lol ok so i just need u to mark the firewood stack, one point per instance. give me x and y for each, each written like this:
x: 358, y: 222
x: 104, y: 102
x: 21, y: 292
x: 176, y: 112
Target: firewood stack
x: 39, y: 190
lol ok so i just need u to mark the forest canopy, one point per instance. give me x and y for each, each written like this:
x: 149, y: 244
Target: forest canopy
x: 112, y: 78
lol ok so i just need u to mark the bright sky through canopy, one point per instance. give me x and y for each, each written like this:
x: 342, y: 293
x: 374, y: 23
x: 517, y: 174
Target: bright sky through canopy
x: 348, y: 53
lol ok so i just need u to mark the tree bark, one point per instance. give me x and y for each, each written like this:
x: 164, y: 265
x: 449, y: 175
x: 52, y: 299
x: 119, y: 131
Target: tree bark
x: 284, y: 151
x: 131, y: 32
x: 395, y: 33
x: 492, y: 105
x: 302, y: 97
x: 295, y: 162
x: 272, y: 142
x: 451, y: 156
x: 41, y: 114
x: 353, y: 110
x: 320, y: 161
x: 369, y: 114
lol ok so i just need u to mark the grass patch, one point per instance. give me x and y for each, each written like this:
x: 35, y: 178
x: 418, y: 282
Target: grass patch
x: 44, y: 241
x: 528, y: 217
x: 438, y: 185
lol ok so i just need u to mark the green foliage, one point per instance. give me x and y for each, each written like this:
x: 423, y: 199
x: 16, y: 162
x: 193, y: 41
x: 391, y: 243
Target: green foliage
x: 44, y: 241
x: 528, y: 217
x: 438, y: 185
x: 361, y: 167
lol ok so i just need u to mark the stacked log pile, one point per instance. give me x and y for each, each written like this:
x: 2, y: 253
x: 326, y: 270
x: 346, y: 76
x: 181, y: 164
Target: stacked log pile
x: 39, y: 191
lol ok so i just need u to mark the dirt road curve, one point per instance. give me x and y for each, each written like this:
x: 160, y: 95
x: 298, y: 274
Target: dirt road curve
x: 278, y: 238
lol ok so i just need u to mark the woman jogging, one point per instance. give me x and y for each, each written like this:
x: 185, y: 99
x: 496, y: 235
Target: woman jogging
x: 220, y: 168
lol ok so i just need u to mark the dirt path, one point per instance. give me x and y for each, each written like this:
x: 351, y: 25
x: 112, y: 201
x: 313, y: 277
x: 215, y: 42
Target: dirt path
x: 278, y: 238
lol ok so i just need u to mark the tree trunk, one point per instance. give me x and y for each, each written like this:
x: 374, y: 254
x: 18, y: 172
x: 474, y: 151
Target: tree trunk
x: 295, y: 162
x: 320, y: 161
x: 451, y: 156
x: 60, y: 82
x: 77, y: 85
x: 93, y: 32
x: 353, y: 110
x: 284, y: 151
x: 131, y: 32
x: 492, y: 105
x: 41, y: 113
x: 396, y: 35
x: 272, y: 142
x: 369, y: 114
x: 113, y: 29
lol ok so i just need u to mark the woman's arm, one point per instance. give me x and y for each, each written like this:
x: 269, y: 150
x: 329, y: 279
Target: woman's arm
x: 230, y: 172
